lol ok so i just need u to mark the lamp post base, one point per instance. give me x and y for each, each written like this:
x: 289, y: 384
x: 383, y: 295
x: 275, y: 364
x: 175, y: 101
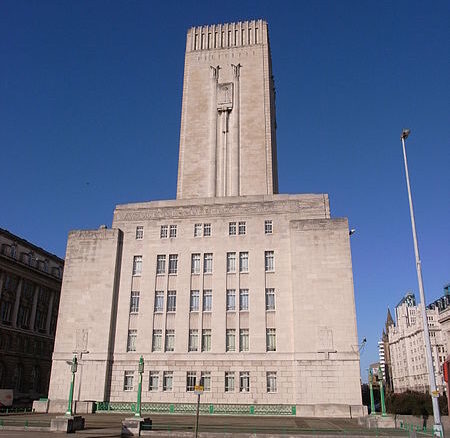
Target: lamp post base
x: 67, y: 423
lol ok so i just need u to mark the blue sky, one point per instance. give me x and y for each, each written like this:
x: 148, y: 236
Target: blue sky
x: 90, y: 103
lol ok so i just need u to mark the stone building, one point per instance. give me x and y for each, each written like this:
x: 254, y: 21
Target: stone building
x: 228, y: 285
x: 30, y: 284
x: 385, y: 354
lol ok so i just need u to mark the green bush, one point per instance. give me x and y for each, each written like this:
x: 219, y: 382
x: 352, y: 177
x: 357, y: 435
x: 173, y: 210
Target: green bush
x: 413, y: 403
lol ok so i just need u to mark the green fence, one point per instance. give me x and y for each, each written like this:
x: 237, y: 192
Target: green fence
x: 205, y: 409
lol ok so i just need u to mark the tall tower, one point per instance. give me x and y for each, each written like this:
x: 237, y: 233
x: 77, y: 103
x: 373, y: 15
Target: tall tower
x: 227, y: 138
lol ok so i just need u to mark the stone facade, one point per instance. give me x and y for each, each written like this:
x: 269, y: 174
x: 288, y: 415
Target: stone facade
x: 232, y: 291
x: 30, y: 283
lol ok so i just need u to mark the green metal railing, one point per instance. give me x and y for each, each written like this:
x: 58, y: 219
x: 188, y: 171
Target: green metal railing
x: 425, y: 431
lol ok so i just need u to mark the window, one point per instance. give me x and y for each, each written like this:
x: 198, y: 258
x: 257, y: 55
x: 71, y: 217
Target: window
x: 206, y: 230
x: 229, y: 381
x: 173, y: 231
x: 194, y: 301
x: 268, y: 227
x: 271, y: 339
x: 243, y: 299
x: 173, y: 263
x: 137, y: 265
x: 207, y: 263
x: 231, y: 340
x: 128, y: 378
x: 163, y: 232
x: 171, y: 301
x: 270, y: 299
x: 243, y: 340
x: 191, y: 378
x: 243, y: 262
x: 231, y: 299
x: 139, y: 233
x: 271, y: 377
x: 197, y: 230
x: 134, y: 302
x: 244, y: 381
x: 153, y: 380
x: 131, y: 343
x: 159, y: 301
x: 6, y: 311
x: 206, y: 340
x: 242, y: 228
x: 160, y: 264
x: 269, y: 261
x: 205, y: 380
x: 195, y: 264
x: 207, y: 300
x: 193, y: 340
x: 232, y: 228
x: 170, y: 340
x: 167, y: 380
x: 157, y: 340
x: 231, y: 262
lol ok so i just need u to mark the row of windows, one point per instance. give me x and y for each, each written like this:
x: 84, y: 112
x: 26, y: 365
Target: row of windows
x: 194, y: 340
x: 205, y: 381
x: 196, y: 258
x: 194, y: 300
x: 204, y: 229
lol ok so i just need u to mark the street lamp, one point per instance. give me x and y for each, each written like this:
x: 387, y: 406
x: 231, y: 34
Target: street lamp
x: 437, y: 428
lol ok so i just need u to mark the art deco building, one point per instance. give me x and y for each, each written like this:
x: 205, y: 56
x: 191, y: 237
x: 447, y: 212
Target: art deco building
x: 230, y: 283
x: 30, y: 284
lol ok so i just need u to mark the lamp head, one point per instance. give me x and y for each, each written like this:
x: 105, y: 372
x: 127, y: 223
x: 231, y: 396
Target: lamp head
x: 405, y: 133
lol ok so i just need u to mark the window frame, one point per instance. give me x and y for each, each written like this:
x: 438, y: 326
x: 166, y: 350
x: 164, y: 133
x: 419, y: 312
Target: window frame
x: 152, y: 376
x: 139, y: 232
x: 137, y: 265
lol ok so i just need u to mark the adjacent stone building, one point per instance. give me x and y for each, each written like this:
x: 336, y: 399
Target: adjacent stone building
x: 30, y: 284
x: 228, y: 285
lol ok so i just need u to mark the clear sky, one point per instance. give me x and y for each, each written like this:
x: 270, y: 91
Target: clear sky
x: 90, y: 104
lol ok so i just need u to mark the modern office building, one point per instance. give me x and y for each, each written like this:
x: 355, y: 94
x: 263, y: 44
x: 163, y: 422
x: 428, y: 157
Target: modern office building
x: 230, y: 284
x: 30, y: 285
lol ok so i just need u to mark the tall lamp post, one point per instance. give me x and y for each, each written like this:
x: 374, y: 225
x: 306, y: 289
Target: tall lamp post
x: 437, y: 428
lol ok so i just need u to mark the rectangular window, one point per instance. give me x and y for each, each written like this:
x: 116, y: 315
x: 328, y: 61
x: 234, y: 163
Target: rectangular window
x: 206, y: 230
x: 131, y: 342
x: 171, y: 301
x: 157, y: 340
x: 195, y: 264
x: 207, y: 263
x: 6, y: 311
x: 242, y: 228
x: 243, y: 299
x: 244, y: 381
x: 232, y: 228
x: 206, y: 340
x: 197, y: 230
x: 207, y: 300
x: 243, y: 262
x: 167, y: 380
x: 193, y: 340
x: 191, y: 378
x: 231, y: 262
x: 194, y: 301
x: 139, y: 233
x: 229, y: 381
x: 160, y: 264
x: 173, y: 231
x: 268, y: 227
x: 159, y: 301
x: 271, y: 339
x: 231, y: 340
x: 231, y: 299
x: 170, y: 340
x: 173, y: 263
x: 269, y: 261
x: 134, y: 302
x: 153, y: 380
x: 163, y: 232
x: 128, y: 378
x: 271, y: 377
x: 270, y: 299
x: 205, y: 380
x: 243, y: 340
x: 137, y: 265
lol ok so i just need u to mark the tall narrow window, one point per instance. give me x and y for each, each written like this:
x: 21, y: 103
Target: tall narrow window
x: 243, y: 299
x: 159, y: 301
x: 197, y: 230
x: 193, y: 340
x: 131, y: 342
x: 270, y: 299
x: 229, y: 381
x: 231, y: 262
x: 271, y: 377
x: 232, y: 228
x: 134, y: 302
x: 171, y: 301
x: 157, y: 340
x: 205, y: 380
x: 271, y: 339
x: 137, y: 265
x: 208, y: 263
x: 206, y: 340
x: 128, y: 377
x: 173, y: 263
x: 161, y: 264
x: 269, y: 261
x: 243, y: 340
x: 243, y: 262
x: 173, y: 231
x: 163, y: 232
x: 195, y: 264
x: 231, y: 340
x: 167, y: 380
x: 139, y: 233
x: 170, y: 340
x: 244, y: 381
x: 268, y: 227
x: 207, y: 300
x: 191, y: 378
x: 194, y: 301
x: 206, y: 230
x: 231, y: 299
x: 153, y: 380
x: 242, y: 228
